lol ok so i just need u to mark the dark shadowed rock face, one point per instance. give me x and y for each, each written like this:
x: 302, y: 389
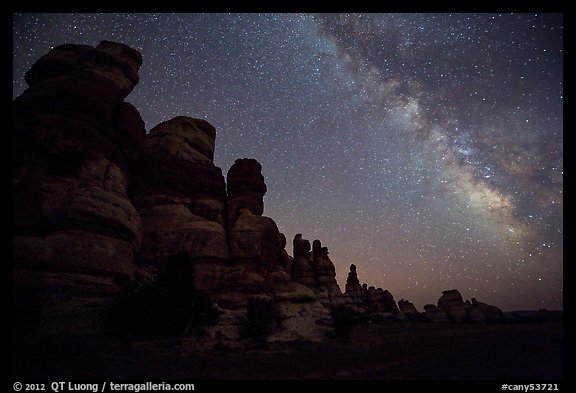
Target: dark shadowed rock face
x: 285, y: 259
x: 246, y: 188
x: 180, y: 194
x: 327, y: 289
x: 389, y: 302
x: 302, y: 270
x: 75, y: 145
x: 489, y: 312
x: 434, y: 313
x: 60, y: 61
x: 256, y: 238
x: 452, y: 304
x: 98, y: 203
x: 370, y: 299
x: 459, y: 311
x: 354, y: 292
x: 72, y: 165
x: 450, y: 298
x: 185, y: 138
x: 407, y: 307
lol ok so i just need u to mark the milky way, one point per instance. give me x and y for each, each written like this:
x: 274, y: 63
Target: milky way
x: 425, y: 148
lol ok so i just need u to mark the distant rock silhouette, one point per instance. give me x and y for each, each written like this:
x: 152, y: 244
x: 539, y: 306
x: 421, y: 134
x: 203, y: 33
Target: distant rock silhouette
x: 490, y: 313
x: 302, y: 270
x: 370, y: 299
x: 407, y: 307
x: 327, y: 289
x: 434, y: 313
x: 452, y: 304
x: 457, y: 310
x: 354, y: 293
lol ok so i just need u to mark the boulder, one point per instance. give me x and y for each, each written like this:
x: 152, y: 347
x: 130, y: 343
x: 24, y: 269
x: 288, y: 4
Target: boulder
x: 491, y: 313
x: 407, y: 307
x: 435, y: 314
x: 450, y: 298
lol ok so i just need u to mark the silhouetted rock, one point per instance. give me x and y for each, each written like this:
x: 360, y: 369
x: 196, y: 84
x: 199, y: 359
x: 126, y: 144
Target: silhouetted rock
x: 435, y: 314
x: 491, y: 313
x: 407, y: 307
x: 71, y: 172
x: 246, y: 188
x: 285, y: 259
x: 302, y: 270
x: 474, y: 315
x: 327, y: 289
x: 58, y: 62
x: 180, y: 194
x: 369, y: 299
x: 103, y: 211
x: 453, y: 305
x: 354, y: 292
x: 74, y: 146
x: 450, y: 298
x: 255, y: 242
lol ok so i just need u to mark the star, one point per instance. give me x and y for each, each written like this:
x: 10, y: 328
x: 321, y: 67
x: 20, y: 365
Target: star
x: 425, y: 148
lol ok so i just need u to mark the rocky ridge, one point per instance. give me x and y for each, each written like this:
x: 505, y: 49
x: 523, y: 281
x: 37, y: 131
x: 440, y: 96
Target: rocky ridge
x: 101, y: 207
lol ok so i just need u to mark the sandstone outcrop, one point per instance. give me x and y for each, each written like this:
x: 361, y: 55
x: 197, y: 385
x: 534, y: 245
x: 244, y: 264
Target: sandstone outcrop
x: 457, y: 310
x: 327, y: 289
x: 180, y: 194
x: 302, y: 270
x: 452, y: 304
x: 434, y: 313
x: 100, y: 207
x: 407, y: 307
x: 353, y: 290
x: 246, y: 188
x: 75, y: 143
x: 489, y: 312
x: 255, y: 242
x: 369, y: 299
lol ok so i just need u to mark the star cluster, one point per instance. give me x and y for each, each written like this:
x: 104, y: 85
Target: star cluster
x: 425, y: 148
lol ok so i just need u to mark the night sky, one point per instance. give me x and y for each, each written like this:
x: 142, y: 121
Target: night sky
x: 425, y: 148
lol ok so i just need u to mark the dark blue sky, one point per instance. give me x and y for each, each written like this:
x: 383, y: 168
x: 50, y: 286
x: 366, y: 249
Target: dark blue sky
x: 425, y: 148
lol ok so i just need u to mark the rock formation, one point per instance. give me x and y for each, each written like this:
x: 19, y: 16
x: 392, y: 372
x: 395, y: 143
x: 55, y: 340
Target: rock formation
x: 407, y: 307
x: 74, y: 146
x: 353, y: 289
x: 435, y: 314
x: 302, y: 271
x: 370, y: 299
x: 327, y: 289
x: 255, y: 242
x: 100, y: 206
x: 457, y: 310
x: 285, y: 260
x: 180, y: 194
x: 246, y: 188
x: 452, y: 304
x: 490, y: 313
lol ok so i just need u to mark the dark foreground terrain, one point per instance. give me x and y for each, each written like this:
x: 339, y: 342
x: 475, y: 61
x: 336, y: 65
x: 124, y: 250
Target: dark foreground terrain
x: 531, y: 351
